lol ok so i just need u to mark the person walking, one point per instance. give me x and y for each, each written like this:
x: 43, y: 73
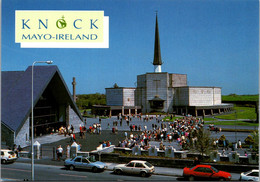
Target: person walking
x: 59, y: 152
x: 239, y: 144
x: 223, y: 152
x: 72, y: 128
x: 71, y: 138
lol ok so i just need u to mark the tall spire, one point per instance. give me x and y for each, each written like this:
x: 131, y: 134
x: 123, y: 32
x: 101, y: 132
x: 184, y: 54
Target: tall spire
x: 157, y: 50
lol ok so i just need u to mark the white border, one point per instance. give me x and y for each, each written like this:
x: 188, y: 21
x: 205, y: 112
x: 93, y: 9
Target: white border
x: 104, y: 44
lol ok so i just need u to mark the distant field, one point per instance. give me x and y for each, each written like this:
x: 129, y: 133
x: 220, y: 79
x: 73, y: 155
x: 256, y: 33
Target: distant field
x: 234, y: 97
x: 241, y: 113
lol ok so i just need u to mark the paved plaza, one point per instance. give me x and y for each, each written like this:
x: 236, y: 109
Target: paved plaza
x: 91, y: 141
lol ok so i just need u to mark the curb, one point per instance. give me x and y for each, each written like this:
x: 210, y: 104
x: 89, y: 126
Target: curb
x: 27, y: 161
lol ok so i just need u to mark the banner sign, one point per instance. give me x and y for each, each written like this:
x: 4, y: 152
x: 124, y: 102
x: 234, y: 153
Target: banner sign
x: 61, y: 29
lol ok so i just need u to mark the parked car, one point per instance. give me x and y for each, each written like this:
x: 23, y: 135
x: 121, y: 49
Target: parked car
x: 214, y: 128
x: 252, y: 175
x: 81, y: 162
x: 205, y: 172
x: 142, y: 168
x: 7, y: 156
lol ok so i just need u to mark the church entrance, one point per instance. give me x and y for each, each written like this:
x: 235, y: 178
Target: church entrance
x: 156, y: 104
x: 49, y: 115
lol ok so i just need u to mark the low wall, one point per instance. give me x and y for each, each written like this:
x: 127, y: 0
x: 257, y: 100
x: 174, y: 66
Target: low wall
x: 105, y: 149
x: 24, y: 154
x: 234, y: 168
x: 170, y: 162
x: 232, y: 157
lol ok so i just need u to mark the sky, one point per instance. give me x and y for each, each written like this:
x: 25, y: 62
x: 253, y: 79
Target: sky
x: 216, y: 43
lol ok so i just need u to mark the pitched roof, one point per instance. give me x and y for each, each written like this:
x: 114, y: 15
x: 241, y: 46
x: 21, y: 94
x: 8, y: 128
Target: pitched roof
x: 16, y: 93
x: 157, y: 50
x: 156, y: 98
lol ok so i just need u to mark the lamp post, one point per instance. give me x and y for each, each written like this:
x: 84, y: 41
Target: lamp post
x: 236, y: 126
x: 48, y: 62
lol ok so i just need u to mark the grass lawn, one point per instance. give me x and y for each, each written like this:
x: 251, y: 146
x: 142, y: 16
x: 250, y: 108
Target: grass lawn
x: 210, y: 119
x: 242, y: 123
x: 82, y: 110
x: 168, y: 117
x: 241, y: 113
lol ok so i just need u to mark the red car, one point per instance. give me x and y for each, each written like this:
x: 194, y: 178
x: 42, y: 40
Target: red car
x: 206, y: 172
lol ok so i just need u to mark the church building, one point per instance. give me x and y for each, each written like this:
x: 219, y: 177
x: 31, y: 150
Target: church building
x: 164, y: 92
x: 53, y: 104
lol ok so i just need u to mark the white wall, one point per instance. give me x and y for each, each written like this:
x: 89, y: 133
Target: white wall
x: 217, y: 96
x: 20, y: 138
x: 129, y: 97
x: 74, y: 120
x: 204, y: 96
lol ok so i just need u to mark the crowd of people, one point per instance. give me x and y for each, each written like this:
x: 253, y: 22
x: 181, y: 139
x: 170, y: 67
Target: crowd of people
x: 66, y: 130
x: 95, y: 129
x: 183, y: 131
x: 104, y: 144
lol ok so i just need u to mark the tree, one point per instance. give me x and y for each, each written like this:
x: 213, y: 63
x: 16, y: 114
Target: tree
x: 204, y: 142
x: 222, y: 139
x: 249, y: 140
x: 255, y: 135
x: 86, y: 101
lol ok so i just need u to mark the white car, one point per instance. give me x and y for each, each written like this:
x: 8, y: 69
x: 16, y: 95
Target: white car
x: 7, y: 156
x: 252, y: 175
x: 139, y: 167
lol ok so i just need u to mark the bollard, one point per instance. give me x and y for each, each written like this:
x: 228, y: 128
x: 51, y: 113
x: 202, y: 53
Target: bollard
x: 73, y: 150
x: 37, y: 151
x: 68, y: 152
x: 99, y: 154
x: 41, y: 153
x: 54, y: 155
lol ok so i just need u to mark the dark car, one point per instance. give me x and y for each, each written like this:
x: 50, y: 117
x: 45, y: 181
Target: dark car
x: 205, y: 172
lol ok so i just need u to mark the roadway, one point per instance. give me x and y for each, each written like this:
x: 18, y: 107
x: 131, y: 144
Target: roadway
x: 22, y: 171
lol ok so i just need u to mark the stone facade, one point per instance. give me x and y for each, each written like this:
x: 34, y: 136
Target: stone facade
x: 74, y: 120
x: 204, y: 96
x: 181, y: 96
x: 158, y: 85
x: 149, y: 86
x: 198, y: 96
x: 164, y: 92
x: 120, y: 96
x: 172, y: 90
x: 178, y: 80
x: 22, y: 137
x: 129, y: 97
x: 114, y: 97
